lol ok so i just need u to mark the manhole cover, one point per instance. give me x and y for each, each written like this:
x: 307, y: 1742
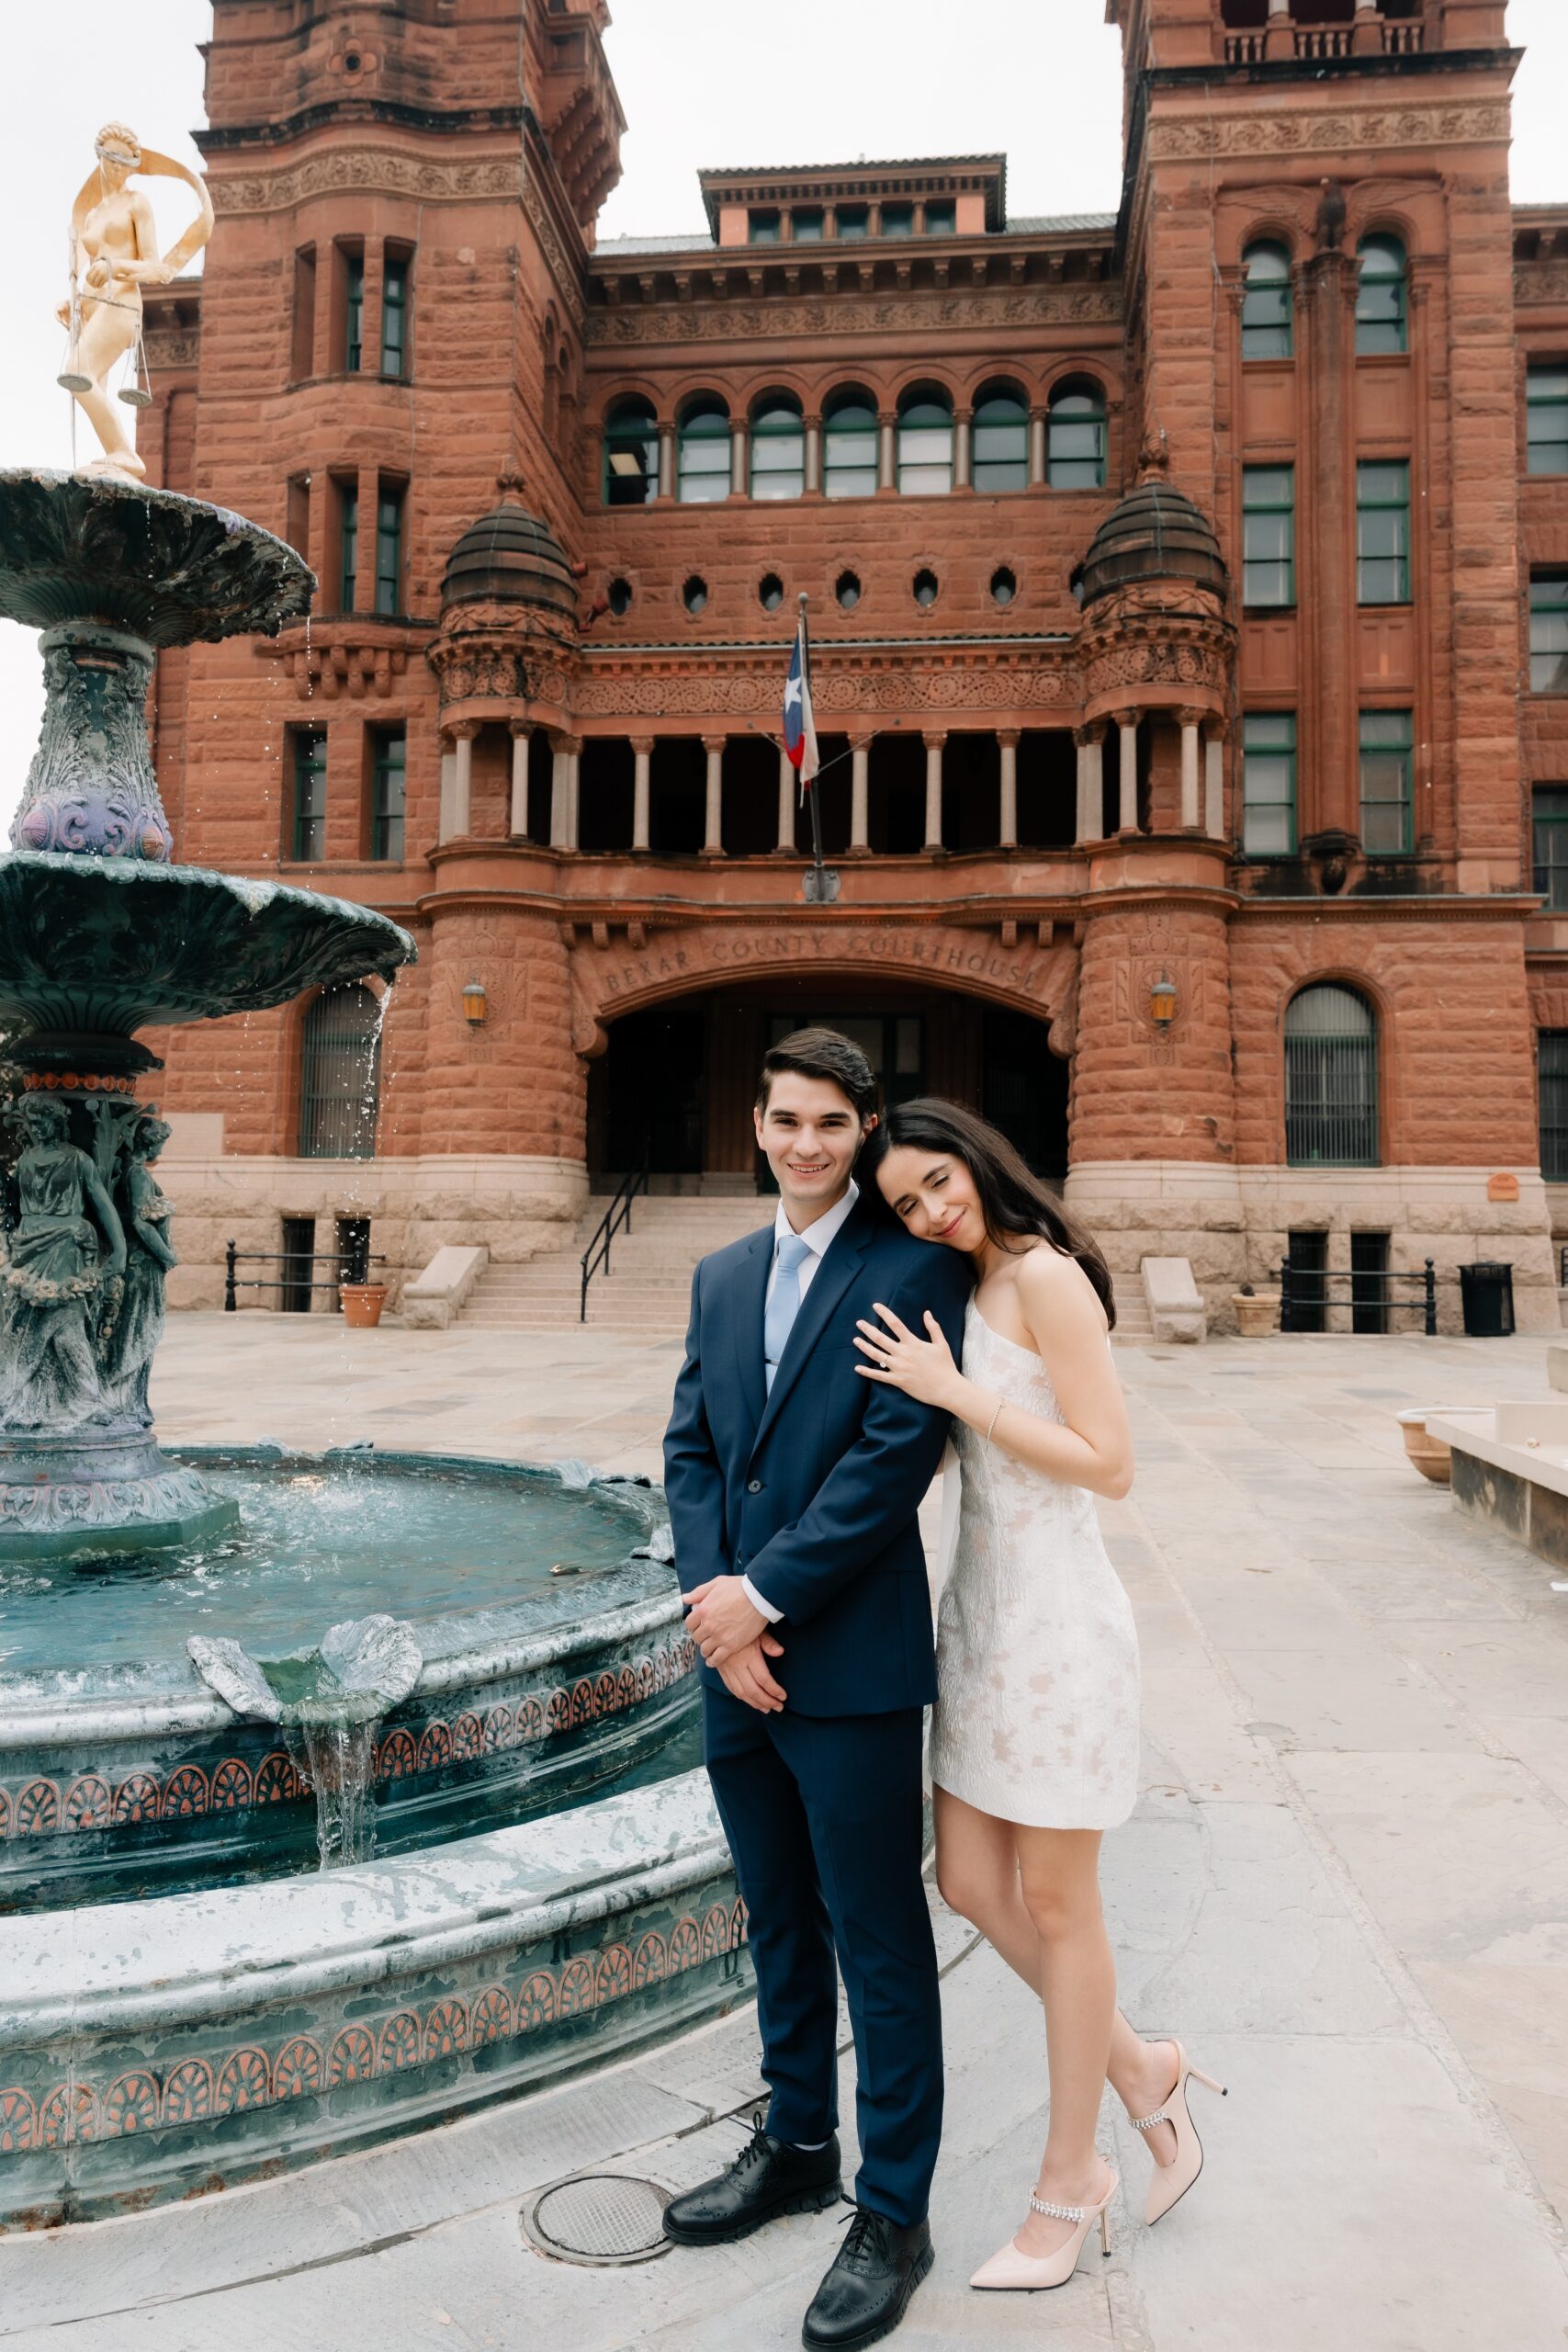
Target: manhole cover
x: 600, y: 2217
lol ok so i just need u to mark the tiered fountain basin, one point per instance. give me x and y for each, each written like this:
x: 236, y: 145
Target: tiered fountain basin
x: 161, y: 2051
x: 555, y: 1666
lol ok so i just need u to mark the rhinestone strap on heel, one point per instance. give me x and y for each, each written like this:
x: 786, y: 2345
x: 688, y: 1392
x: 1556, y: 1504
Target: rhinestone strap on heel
x: 1173, y: 2181
x: 1029, y: 2273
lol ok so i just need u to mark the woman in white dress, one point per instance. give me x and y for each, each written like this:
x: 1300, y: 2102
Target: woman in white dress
x: 1034, y: 1738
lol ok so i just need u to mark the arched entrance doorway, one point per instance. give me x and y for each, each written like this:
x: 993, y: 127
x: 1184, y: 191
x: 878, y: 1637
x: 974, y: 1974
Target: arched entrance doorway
x: 678, y: 1078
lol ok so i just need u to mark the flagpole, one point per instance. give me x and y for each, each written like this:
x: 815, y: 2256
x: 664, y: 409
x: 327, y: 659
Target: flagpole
x: 819, y: 891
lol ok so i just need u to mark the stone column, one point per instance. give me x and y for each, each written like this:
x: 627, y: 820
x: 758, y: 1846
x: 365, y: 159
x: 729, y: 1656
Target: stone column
x: 737, y: 484
x: 934, y: 743
x: 1191, y: 720
x: 786, y: 804
x: 563, y: 829
x: 445, y: 826
x: 713, y: 826
x: 519, y: 821
x: 666, y: 461
x: 885, y: 421
x: 1280, y: 38
x: 1009, y: 741
x: 1090, y: 741
x: 1127, y: 806
x: 962, y: 418
x: 1036, y: 447
x: 369, y: 485
x: 574, y: 793
x: 1330, y: 797
x: 642, y: 750
x: 813, y: 456
x: 1214, y: 785
x: 462, y: 779
x: 860, y: 801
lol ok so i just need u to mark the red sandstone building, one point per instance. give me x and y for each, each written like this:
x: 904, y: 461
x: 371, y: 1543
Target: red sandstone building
x: 1190, y: 603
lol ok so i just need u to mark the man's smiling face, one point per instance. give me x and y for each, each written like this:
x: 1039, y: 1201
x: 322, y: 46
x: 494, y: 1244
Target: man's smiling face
x: 810, y: 1132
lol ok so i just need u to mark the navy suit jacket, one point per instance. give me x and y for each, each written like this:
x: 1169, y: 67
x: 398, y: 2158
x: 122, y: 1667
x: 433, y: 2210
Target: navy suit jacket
x: 812, y: 1490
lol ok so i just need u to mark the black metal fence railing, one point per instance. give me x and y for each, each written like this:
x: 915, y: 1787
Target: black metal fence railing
x: 616, y: 1218
x: 1306, y: 1296
x: 296, y: 1280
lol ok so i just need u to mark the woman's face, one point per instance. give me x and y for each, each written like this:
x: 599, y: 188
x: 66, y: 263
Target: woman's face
x: 934, y: 1195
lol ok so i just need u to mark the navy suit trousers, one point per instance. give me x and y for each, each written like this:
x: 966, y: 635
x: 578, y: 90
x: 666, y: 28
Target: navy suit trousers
x: 823, y: 1815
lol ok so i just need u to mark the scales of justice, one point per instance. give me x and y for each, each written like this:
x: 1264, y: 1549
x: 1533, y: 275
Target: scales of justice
x: 101, y: 932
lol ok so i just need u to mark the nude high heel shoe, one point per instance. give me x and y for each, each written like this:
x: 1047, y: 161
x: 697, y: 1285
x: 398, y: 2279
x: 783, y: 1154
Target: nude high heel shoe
x: 1173, y: 2181
x: 1027, y: 2273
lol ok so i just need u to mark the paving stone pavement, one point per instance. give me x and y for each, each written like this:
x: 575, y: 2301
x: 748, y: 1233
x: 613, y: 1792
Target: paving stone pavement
x: 1345, y: 1886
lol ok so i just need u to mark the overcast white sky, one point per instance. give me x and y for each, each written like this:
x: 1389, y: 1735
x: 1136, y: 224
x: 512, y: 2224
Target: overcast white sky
x: 825, y: 82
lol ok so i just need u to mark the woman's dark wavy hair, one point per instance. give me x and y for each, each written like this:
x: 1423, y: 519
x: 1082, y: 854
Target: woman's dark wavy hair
x: 1012, y: 1198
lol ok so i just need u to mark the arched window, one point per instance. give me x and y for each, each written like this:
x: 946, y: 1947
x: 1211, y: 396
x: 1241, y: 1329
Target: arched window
x: 1001, y: 443
x: 848, y: 445
x: 778, y: 448
x: 631, y: 454
x: 340, y: 1075
x: 1331, y: 1078
x: 702, y: 462
x: 1075, y: 438
x: 1381, y: 305
x: 1268, y: 307
x: 925, y: 445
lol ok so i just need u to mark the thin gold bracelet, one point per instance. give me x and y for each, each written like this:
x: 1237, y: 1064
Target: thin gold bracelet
x: 996, y: 1416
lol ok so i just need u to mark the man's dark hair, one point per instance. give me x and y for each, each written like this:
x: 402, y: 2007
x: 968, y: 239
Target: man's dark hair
x: 821, y: 1053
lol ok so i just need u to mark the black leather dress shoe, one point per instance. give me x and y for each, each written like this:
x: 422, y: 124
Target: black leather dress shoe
x: 767, y: 2179
x: 867, y: 2291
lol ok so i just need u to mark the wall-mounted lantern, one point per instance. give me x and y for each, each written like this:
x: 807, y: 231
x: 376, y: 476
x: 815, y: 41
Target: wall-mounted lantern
x: 1162, y: 1002
x: 475, y: 1005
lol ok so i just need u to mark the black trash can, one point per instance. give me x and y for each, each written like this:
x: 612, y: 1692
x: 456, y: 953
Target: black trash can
x: 1486, y: 1291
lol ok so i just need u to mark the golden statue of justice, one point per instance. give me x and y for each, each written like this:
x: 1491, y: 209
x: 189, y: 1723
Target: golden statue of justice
x: 114, y: 254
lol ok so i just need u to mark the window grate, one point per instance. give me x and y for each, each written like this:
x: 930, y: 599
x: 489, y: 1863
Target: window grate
x: 340, y: 1080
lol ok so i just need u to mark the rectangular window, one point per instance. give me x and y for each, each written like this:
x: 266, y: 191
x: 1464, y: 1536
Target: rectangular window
x: 348, y: 544
x: 1388, y: 769
x: 1549, y: 827
x: 390, y: 551
x: 1269, y: 536
x: 1546, y: 402
x: 1383, y: 533
x: 310, y: 827
x: 763, y: 228
x: 302, y: 357
x: 1552, y: 1059
x: 1368, y: 1282
x: 1548, y: 632
x: 297, y: 528
x: 852, y: 219
x: 387, y: 771
x: 1269, y: 783
x: 354, y: 311
x: 941, y: 219
x: 395, y: 319
x: 805, y: 224
x: 898, y: 220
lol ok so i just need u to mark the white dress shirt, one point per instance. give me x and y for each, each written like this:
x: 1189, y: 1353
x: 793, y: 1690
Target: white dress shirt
x: 817, y: 1237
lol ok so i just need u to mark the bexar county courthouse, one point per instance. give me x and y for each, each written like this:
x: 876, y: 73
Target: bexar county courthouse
x: 1189, y: 601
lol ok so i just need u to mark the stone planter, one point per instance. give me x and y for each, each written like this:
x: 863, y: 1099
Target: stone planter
x: 1255, y: 1316
x: 1430, y: 1456
x: 362, y: 1304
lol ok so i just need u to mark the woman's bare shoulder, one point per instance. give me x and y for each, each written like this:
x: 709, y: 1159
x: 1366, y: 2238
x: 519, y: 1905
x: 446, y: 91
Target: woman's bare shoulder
x: 1049, y: 1281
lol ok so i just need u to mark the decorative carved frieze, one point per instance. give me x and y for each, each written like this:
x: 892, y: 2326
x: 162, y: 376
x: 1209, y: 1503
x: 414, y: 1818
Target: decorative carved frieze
x: 657, y: 694
x: 1158, y: 664
x: 829, y: 314
x: 387, y: 171
x: 1195, y: 136
x: 175, y: 347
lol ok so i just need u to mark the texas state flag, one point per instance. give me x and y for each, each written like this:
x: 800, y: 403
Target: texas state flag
x: 799, y: 726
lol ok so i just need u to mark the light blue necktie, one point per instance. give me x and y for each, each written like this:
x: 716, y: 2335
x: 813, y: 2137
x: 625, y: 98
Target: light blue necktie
x: 784, y: 1304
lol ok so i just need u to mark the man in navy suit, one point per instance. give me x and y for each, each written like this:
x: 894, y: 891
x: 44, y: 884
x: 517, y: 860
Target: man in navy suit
x: 794, y: 1486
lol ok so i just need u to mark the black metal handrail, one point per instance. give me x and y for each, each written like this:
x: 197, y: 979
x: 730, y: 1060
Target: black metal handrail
x: 344, y: 1260
x: 616, y: 1216
x: 1307, y: 1287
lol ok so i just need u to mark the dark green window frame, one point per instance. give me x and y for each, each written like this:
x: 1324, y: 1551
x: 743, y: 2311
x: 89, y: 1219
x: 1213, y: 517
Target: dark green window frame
x: 942, y: 218
x: 1076, y: 438
x: 898, y: 220
x: 631, y: 455
x: 1382, y: 532
x: 390, y: 551
x: 999, y: 443
x: 353, y: 311
x: 703, y: 454
x: 1388, y: 783
x: 1269, y: 536
x: 1331, y: 1078
x: 1268, y: 304
x: 1548, y: 633
x: 1551, y: 1075
x: 395, y: 318
x: 1546, y: 417
x: 778, y: 449
x: 763, y: 227
x: 389, y: 777
x: 1548, y: 841
x: 308, y: 829
x: 1269, y: 783
x: 1382, y: 298
x: 925, y: 446
x: 850, y: 444
x: 348, y: 544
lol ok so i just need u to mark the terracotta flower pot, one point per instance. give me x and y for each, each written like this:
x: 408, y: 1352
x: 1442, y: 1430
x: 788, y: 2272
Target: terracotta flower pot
x: 1255, y: 1316
x: 362, y: 1304
x: 1430, y: 1454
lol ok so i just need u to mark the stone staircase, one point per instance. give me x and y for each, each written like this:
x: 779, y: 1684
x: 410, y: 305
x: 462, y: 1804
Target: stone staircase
x: 1134, y: 1326
x: 647, y: 1293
